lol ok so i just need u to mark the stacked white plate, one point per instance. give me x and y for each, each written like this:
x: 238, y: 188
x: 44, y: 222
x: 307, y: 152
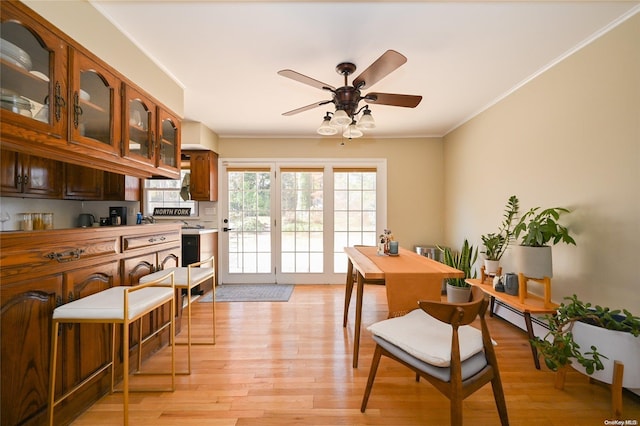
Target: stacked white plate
x: 12, y: 53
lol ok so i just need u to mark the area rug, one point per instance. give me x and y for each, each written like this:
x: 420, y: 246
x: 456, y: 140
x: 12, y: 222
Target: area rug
x: 250, y: 293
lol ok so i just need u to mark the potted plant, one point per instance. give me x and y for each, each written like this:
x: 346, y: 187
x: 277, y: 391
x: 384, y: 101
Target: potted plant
x: 458, y: 291
x: 495, y: 244
x: 539, y: 228
x: 597, y: 338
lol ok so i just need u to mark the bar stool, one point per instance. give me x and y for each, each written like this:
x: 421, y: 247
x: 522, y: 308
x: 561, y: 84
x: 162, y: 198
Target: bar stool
x: 116, y: 305
x: 188, y: 277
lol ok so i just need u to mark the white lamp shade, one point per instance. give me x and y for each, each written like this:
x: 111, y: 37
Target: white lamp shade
x: 326, y: 129
x: 340, y: 118
x: 352, y: 132
x: 366, y: 122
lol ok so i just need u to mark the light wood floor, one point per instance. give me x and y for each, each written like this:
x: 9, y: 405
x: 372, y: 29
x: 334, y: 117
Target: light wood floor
x: 290, y: 364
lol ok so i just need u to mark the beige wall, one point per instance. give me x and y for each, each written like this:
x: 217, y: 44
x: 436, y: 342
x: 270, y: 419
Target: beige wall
x: 82, y: 22
x: 569, y: 138
x: 414, y: 175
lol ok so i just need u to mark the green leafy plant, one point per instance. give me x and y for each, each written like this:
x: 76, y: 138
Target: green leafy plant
x: 539, y: 227
x: 558, y: 347
x: 496, y: 244
x: 462, y: 260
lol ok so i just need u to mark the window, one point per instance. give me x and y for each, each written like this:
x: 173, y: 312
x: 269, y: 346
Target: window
x: 167, y: 193
x: 354, y: 211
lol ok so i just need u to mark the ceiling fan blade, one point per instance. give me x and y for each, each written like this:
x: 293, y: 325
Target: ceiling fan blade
x: 393, y: 99
x: 304, y: 79
x: 305, y: 108
x: 383, y: 66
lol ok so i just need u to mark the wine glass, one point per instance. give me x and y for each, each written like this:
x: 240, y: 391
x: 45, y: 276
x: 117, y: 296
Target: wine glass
x: 4, y: 217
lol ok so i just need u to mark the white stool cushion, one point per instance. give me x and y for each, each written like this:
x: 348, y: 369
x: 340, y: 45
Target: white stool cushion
x: 427, y: 338
x: 108, y: 305
x: 198, y: 275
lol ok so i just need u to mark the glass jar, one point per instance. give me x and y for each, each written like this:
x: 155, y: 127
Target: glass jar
x: 47, y: 220
x: 37, y: 221
x: 26, y: 221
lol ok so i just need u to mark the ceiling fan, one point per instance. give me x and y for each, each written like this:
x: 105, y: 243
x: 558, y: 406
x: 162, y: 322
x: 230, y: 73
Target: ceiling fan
x: 347, y: 98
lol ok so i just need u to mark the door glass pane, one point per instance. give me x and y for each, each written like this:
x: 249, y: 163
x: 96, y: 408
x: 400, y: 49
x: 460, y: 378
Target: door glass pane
x: 94, y: 100
x: 302, y: 223
x: 249, y: 195
x: 24, y: 73
x: 168, y: 143
x: 139, y: 125
x: 354, y: 217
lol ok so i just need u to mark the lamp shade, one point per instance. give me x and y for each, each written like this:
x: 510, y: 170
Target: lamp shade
x: 366, y: 121
x: 326, y: 129
x: 352, y: 131
x: 340, y: 118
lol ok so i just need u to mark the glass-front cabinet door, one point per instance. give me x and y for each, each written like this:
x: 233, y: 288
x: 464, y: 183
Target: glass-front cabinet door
x: 33, y: 80
x: 95, y: 105
x: 168, y: 141
x: 139, y: 126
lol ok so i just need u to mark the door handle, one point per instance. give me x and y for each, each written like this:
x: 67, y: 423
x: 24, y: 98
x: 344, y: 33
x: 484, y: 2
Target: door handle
x: 225, y: 229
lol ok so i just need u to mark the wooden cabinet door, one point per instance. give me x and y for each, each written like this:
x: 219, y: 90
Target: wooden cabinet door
x: 40, y: 78
x: 87, y: 346
x: 168, y: 154
x: 95, y: 105
x: 204, y: 175
x: 119, y: 187
x: 25, y: 322
x: 82, y: 183
x: 29, y: 176
x: 139, y: 126
x: 10, y: 173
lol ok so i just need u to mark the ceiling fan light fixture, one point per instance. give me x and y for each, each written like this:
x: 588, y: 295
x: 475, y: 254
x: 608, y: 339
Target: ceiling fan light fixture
x: 340, y: 118
x: 352, y: 131
x: 366, y: 121
x: 326, y: 129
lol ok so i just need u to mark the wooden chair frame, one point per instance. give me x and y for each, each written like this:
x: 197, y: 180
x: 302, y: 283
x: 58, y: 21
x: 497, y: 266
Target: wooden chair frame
x: 455, y: 389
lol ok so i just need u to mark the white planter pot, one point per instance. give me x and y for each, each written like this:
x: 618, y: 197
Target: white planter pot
x: 616, y: 346
x: 533, y: 262
x: 491, y: 266
x: 458, y: 294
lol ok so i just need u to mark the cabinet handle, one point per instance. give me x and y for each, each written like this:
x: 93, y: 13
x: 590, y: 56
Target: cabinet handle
x: 58, y: 300
x: 66, y: 256
x: 25, y: 179
x: 60, y: 102
x: 18, y: 180
x: 77, y: 110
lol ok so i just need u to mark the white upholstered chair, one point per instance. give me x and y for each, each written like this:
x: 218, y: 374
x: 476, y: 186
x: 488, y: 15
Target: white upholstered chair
x: 116, y: 305
x: 438, y: 343
x: 186, y: 278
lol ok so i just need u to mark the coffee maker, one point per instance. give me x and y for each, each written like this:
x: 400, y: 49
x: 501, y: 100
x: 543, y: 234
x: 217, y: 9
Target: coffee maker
x: 118, y: 215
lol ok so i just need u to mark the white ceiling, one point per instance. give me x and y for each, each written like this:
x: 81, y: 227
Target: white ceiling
x: 462, y: 56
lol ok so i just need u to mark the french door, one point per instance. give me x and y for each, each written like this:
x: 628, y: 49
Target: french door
x: 288, y: 221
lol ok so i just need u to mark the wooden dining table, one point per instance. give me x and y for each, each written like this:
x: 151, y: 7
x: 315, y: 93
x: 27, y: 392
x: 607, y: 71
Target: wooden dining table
x: 408, y: 277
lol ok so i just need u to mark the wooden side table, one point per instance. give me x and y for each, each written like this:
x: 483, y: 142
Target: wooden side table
x: 531, y: 304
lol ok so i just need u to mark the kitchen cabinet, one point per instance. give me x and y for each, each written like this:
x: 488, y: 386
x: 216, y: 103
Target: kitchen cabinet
x: 204, y: 175
x: 95, y: 104
x: 25, y: 175
x: 33, y: 77
x: 168, y: 141
x: 147, y: 253
x: 151, y: 133
x: 25, y: 323
x: 139, y: 126
x: 63, y: 103
x: 117, y: 187
x: 42, y: 269
x: 82, y: 183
